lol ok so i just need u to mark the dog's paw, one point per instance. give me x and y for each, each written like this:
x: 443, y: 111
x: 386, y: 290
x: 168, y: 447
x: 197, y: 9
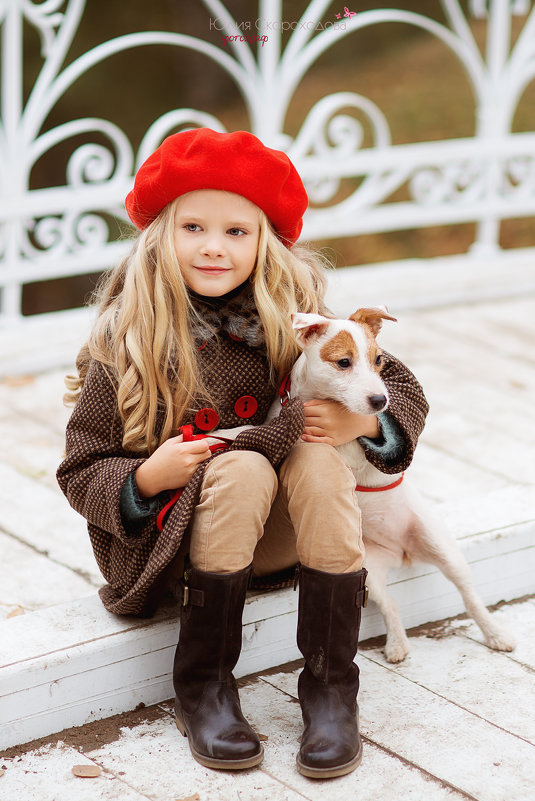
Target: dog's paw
x: 396, y: 650
x: 500, y: 640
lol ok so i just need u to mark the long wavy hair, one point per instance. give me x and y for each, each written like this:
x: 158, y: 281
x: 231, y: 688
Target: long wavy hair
x: 143, y: 331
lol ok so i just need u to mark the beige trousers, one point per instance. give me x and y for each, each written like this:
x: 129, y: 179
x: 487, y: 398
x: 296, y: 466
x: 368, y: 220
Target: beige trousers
x: 306, y: 512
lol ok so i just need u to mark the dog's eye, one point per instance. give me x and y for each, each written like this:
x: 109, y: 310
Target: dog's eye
x: 379, y: 359
x: 344, y: 363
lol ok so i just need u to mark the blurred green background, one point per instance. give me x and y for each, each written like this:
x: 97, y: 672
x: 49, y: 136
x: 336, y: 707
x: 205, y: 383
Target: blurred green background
x: 413, y: 78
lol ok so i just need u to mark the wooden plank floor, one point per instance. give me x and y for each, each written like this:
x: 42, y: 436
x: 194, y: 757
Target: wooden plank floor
x: 477, y: 366
x: 454, y: 721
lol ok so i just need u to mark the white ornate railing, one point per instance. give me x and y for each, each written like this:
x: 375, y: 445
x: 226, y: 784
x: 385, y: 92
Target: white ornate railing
x: 60, y: 231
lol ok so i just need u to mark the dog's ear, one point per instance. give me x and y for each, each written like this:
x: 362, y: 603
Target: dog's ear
x: 372, y: 317
x: 308, y: 327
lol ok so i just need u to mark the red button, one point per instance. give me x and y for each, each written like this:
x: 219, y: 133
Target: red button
x: 246, y: 406
x: 206, y: 419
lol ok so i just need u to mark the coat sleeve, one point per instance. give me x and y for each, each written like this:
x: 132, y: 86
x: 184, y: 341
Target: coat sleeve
x: 402, y: 423
x: 275, y: 438
x: 96, y: 466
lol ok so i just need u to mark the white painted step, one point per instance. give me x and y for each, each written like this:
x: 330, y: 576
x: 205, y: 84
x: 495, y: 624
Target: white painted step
x: 73, y: 663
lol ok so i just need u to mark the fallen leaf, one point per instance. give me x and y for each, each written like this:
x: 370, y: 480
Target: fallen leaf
x: 263, y: 737
x: 17, y: 611
x: 194, y: 797
x: 1, y: 772
x: 86, y: 771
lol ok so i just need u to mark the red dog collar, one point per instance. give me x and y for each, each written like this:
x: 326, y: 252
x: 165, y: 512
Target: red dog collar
x: 396, y: 483
x: 284, y: 389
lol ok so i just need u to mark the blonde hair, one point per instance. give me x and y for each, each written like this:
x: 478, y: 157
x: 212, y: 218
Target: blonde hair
x: 143, y: 333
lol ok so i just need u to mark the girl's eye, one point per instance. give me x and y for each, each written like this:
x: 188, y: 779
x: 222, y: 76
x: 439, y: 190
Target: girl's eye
x: 236, y: 231
x: 379, y: 359
x: 192, y: 227
x: 344, y: 364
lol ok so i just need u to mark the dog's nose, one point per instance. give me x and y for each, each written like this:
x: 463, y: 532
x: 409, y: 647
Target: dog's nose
x: 377, y: 402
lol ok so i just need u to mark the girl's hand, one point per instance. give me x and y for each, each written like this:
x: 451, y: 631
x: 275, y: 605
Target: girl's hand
x: 171, y: 465
x: 330, y: 422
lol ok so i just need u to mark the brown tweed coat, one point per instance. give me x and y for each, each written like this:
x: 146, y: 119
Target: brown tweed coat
x: 96, y: 464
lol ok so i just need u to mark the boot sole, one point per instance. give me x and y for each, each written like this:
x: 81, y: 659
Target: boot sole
x: 220, y: 764
x: 330, y: 773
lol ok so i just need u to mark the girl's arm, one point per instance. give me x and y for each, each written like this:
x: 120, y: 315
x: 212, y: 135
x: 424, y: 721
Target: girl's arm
x: 403, y: 421
x: 275, y: 438
x: 96, y: 466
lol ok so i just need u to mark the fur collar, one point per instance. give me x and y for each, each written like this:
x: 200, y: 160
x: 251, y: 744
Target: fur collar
x: 235, y: 314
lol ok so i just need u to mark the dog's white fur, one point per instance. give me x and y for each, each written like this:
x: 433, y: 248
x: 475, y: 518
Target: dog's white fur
x: 398, y: 526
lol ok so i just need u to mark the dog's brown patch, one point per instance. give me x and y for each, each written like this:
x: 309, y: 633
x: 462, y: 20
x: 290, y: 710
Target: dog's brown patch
x: 371, y: 320
x: 341, y: 346
x: 374, y: 354
x: 373, y: 348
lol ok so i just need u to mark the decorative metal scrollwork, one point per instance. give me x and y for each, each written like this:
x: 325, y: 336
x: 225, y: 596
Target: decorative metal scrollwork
x: 344, y: 136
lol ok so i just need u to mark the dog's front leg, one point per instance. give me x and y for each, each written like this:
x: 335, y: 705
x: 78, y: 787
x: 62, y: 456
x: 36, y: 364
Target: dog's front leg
x: 397, y: 644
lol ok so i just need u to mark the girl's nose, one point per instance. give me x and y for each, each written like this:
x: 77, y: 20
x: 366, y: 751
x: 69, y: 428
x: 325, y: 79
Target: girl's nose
x: 213, y: 245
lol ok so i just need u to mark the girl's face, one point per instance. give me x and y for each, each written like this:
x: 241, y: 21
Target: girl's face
x: 216, y: 240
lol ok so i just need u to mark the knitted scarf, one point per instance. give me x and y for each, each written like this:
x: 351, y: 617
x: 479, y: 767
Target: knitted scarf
x: 234, y: 313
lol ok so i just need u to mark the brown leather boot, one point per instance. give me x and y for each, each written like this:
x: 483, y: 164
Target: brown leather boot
x: 207, y: 705
x: 327, y: 635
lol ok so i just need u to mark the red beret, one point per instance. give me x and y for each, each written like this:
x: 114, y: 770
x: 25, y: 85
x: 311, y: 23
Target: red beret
x: 234, y: 162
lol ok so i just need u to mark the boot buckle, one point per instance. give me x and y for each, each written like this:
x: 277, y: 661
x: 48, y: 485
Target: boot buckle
x: 361, y: 599
x: 296, y: 575
x: 192, y: 596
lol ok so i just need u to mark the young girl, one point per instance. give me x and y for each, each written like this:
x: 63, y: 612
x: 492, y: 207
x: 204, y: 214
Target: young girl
x: 194, y: 333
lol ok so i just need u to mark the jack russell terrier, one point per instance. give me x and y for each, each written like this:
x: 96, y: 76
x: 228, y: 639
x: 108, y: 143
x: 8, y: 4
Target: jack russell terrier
x: 341, y: 361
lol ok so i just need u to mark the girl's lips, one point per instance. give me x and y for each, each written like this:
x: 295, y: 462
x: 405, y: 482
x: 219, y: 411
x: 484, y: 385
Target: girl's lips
x: 212, y: 270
